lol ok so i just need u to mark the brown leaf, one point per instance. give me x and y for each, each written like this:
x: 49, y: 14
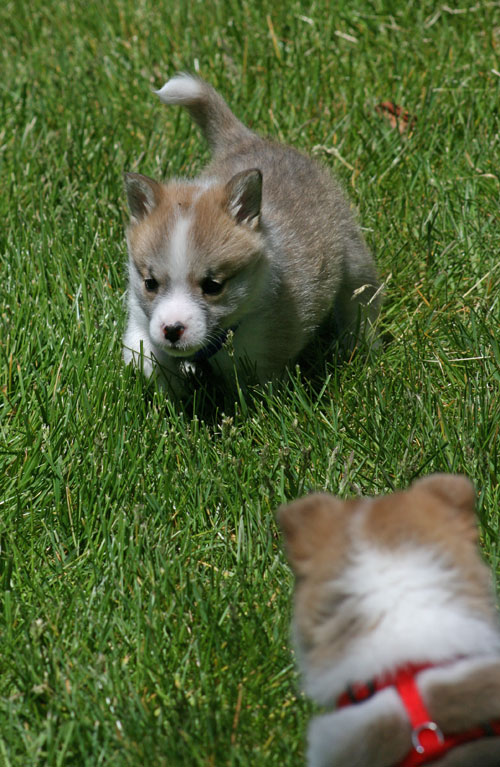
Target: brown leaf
x: 398, y: 117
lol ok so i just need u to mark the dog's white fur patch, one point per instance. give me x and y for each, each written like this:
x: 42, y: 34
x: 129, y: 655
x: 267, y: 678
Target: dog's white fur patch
x: 136, y: 338
x: 406, y: 598
x: 178, y: 251
x: 178, y: 307
x: 339, y: 732
x: 178, y: 89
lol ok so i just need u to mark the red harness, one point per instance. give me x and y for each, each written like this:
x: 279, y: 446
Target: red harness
x: 428, y: 740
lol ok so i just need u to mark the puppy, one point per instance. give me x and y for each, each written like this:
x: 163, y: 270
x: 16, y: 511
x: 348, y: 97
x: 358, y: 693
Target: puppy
x: 396, y: 628
x: 262, y: 244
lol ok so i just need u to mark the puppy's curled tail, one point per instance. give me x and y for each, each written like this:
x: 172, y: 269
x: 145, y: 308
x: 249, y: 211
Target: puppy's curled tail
x: 207, y: 108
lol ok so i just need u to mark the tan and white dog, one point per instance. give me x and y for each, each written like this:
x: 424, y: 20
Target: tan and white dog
x: 262, y: 244
x: 396, y: 628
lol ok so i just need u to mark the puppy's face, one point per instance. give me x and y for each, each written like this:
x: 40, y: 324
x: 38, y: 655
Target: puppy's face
x: 196, y: 257
x: 364, y: 564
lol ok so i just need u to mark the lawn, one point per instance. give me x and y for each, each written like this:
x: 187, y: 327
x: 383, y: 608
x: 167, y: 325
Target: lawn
x: 145, y: 598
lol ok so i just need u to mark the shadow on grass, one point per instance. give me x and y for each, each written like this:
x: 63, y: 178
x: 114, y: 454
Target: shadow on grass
x: 208, y: 397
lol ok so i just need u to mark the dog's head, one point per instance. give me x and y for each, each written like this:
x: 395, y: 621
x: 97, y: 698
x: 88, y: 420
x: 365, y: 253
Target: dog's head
x: 196, y: 256
x: 374, y: 577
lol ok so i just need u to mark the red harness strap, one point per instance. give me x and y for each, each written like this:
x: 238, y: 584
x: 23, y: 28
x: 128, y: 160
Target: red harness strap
x: 428, y: 741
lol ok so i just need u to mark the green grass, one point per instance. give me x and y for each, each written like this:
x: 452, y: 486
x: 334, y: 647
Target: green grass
x: 145, y: 596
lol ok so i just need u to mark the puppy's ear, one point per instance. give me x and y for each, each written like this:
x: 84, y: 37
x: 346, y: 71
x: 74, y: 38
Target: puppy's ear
x: 244, y: 197
x: 143, y: 195
x: 311, y: 524
x: 453, y: 489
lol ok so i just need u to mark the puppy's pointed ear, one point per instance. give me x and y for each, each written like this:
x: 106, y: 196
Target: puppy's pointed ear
x: 143, y: 195
x: 453, y: 489
x: 244, y: 197
x: 311, y: 524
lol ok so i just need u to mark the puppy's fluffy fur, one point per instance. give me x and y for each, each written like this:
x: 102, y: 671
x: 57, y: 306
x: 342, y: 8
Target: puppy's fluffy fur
x: 262, y: 243
x: 382, y: 583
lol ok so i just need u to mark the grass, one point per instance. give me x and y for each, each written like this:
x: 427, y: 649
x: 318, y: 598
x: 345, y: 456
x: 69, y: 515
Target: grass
x: 145, y: 596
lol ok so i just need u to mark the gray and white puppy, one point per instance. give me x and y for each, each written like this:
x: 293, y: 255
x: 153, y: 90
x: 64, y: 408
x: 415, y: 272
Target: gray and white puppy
x: 263, y: 244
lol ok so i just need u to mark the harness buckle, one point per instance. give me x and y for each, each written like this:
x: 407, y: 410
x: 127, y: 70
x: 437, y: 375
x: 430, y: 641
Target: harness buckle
x: 415, y: 736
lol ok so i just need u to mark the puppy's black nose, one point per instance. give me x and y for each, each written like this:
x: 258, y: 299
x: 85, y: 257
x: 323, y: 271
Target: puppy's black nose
x: 173, y: 332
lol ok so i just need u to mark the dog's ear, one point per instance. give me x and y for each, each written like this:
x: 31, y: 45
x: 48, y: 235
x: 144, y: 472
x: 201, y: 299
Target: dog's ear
x: 244, y: 197
x: 455, y: 490
x: 143, y: 195
x: 311, y: 524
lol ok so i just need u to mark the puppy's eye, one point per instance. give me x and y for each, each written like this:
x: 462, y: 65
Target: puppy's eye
x: 211, y: 287
x: 150, y: 284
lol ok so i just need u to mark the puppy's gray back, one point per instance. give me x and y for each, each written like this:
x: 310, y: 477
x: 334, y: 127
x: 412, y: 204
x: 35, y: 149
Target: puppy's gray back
x: 316, y: 242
